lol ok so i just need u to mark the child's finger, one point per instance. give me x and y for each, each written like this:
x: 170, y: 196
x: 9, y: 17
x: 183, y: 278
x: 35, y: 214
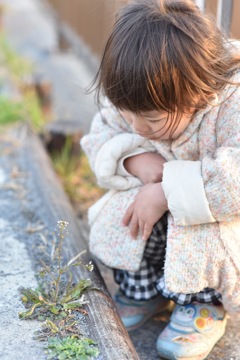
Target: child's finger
x: 147, y: 231
x: 141, y: 227
x: 128, y: 215
x: 134, y: 227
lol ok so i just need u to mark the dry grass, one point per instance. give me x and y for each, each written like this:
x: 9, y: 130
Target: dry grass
x: 77, y: 178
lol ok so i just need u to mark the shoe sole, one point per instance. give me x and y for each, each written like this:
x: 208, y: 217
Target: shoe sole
x: 168, y: 307
x: 169, y: 355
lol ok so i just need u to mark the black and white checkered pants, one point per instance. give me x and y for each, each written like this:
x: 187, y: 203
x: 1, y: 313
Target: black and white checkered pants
x: 148, y: 281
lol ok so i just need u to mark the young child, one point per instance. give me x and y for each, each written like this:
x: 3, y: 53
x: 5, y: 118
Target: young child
x: 171, y: 79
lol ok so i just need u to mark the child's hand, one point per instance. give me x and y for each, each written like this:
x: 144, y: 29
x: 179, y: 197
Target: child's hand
x: 149, y: 206
x: 148, y: 167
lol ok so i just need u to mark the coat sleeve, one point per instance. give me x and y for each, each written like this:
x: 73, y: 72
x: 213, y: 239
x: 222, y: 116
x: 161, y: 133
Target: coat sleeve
x: 208, y: 190
x: 109, y: 142
x: 221, y: 173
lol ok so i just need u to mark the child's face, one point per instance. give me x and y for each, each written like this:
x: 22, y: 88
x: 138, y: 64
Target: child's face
x: 154, y: 125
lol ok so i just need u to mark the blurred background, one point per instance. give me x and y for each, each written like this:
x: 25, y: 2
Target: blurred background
x: 92, y: 19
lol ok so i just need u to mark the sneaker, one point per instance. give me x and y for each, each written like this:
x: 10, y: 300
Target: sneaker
x: 193, y: 331
x: 135, y: 313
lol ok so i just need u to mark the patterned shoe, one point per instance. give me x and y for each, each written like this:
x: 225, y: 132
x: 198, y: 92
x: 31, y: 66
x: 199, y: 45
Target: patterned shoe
x: 135, y: 313
x: 193, y: 331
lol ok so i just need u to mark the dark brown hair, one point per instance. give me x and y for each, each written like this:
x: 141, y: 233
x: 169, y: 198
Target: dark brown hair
x: 164, y: 55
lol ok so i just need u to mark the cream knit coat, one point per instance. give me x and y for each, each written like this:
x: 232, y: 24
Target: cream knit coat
x: 201, y: 181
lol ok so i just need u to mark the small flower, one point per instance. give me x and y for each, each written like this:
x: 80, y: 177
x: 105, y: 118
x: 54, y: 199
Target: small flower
x: 90, y: 266
x: 62, y: 224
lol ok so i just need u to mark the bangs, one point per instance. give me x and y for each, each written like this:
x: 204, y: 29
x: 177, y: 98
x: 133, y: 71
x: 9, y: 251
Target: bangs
x: 137, y: 75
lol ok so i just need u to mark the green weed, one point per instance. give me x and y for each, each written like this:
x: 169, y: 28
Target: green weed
x: 17, y: 66
x: 77, y: 178
x: 10, y: 111
x: 72, y: 349
x: 26, y: 109
x: 32, y: 110
x: 14, y: 69
x: 64, y: 162
x: 57, y: 294
x: 56, y: 302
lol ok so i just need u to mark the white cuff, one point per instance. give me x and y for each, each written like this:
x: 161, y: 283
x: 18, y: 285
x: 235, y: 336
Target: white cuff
x: 184, y: 189
x: 107, y: 158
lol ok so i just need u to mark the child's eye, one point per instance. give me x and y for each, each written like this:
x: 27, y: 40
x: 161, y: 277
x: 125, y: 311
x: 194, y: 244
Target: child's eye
x: 154, y: 121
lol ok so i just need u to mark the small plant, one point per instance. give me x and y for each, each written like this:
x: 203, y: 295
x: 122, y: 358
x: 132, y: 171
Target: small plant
x: 63, y: 160
x: 25, y: 109
x: 32, y: 110
x: 57, y: 293
x: 11, y: 111
x: 77, y: 178
x: 17, y: 66
x: 61, y: 328
x: 15, y: 70
x: 72, y: 349
x: 55, y: 303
